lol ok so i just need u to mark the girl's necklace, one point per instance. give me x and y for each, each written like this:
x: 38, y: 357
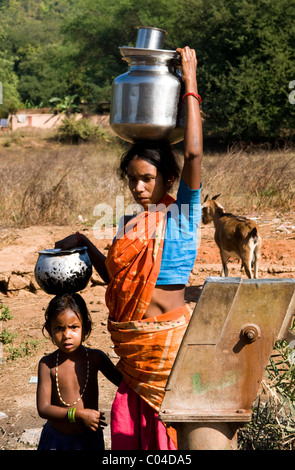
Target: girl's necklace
x: 57, y: 385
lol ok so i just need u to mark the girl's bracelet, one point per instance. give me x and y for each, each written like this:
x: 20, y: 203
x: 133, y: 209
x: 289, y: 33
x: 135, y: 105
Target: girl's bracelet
x: 71, y: 415
x: 193, y: 94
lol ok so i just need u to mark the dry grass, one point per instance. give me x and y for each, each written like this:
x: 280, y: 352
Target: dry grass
x: 44, y: 181
x: 252, y: 180
x: 273, y: 415
x: 55, y: 183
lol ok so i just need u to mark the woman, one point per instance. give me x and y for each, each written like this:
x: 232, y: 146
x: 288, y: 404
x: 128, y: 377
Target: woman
x: 146, y: 270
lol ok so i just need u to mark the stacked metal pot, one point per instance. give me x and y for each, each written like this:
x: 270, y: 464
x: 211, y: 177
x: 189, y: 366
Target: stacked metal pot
x: 146, y: 100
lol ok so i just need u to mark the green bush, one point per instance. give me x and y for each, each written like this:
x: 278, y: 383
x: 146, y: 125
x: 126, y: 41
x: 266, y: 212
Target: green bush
x: 73, y: 131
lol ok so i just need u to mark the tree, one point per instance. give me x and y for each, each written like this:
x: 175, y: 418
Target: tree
x: 246, y: 61
x: 245, y: 50
x: 34, y: 43
x: 97, y: 30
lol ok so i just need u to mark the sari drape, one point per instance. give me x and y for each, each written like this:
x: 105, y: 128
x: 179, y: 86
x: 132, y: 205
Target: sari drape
x: 146, y: 347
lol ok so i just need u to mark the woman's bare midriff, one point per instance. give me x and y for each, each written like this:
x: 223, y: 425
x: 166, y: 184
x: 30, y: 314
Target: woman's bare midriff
x: 164, y: 299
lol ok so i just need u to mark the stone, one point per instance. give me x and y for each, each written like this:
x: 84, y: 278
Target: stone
x: 19, y: 281
x: 31, y: 436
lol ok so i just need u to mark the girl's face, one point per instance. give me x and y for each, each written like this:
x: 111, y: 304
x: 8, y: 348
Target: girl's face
x: 145, y: 182
x: 67, y: 331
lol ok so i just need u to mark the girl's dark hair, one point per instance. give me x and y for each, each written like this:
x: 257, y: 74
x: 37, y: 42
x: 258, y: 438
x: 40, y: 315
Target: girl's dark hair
x: 73, y: 302
x: 160, y: 154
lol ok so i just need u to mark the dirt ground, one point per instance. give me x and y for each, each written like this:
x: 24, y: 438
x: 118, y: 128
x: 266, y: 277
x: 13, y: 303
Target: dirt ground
x: 20, y: 424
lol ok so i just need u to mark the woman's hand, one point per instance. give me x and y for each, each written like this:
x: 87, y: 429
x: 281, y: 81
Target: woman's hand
x: 189, y: 68
x: 72, y: 241
x: 92, y: 419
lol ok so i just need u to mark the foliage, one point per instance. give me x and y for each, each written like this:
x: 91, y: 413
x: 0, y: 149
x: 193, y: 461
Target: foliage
x: 245, y: 52
x: 281, y: 372
x: 9, y: 80
x: 6, y: 337
x: 66, y: 105
x: 273, y: 416
x: 272, y: 428
x: 5, y: 314
x: 31, y: 39
x: 23, y: 350
x: 83, y: 130
x: 247, y: 62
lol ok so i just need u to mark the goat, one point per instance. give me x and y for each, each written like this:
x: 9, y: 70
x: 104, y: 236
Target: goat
x: 234, y: 236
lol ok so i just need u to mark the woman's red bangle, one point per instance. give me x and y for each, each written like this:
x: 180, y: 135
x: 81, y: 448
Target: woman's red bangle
x: 192, y: 94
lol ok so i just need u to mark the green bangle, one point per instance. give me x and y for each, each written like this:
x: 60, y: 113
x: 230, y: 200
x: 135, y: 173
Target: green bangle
x: 71, y: 415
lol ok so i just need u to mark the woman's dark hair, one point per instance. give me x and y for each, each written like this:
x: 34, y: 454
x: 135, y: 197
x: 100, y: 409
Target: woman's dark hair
x: 161, y: 155
x: 64, y: 302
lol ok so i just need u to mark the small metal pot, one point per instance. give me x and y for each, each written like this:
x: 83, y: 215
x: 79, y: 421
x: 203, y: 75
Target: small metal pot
x: 150, y: 38
x: 59, y: 272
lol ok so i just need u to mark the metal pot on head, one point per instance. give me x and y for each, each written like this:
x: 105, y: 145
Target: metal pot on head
x: 59, y: 272
x: 146, y: 100
x: 150, y: 38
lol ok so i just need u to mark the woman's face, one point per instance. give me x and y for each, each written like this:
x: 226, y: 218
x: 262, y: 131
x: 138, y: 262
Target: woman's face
x: 145, y: 182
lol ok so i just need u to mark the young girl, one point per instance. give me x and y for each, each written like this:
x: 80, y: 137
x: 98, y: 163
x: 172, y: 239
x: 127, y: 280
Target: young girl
x: 67, y: 393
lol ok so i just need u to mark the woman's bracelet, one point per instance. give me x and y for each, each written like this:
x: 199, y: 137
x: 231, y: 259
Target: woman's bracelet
x: 193, y: 94
x: 71, y: 415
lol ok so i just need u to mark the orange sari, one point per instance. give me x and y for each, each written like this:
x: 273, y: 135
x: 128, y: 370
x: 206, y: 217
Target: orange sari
x: 134, y: 262
x: 146, y: 347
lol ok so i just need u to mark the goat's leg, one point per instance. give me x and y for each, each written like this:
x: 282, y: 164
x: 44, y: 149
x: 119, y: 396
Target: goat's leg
x: 256, y: 256
x: 246, y: 257
x: 248, y: 269
x: 255, y: 265
x: 224, y: 260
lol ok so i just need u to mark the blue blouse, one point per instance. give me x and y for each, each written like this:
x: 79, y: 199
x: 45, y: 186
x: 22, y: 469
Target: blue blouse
x: 180, y: 242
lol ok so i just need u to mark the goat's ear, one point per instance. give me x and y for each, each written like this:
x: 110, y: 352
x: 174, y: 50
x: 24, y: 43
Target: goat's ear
x: 215, y: 197
x: 206, y: 197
